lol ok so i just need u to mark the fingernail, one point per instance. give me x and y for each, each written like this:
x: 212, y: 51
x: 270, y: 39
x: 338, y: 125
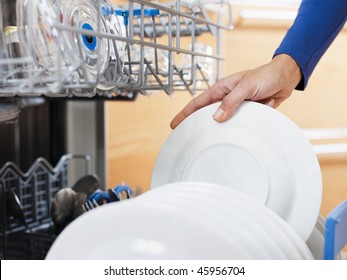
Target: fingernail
x: 218, y: 115
x: 271, y: 102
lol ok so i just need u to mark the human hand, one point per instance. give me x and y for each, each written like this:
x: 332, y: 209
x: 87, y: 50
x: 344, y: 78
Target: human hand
x: 270, y: 84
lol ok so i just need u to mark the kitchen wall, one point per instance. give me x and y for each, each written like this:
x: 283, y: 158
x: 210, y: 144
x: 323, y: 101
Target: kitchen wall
x: 136, y: 130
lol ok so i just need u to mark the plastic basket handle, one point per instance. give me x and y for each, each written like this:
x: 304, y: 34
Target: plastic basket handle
x: 137, y: 12
x: 335, y: 231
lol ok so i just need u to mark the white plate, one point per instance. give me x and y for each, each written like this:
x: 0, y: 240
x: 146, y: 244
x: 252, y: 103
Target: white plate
x: 259, y: 151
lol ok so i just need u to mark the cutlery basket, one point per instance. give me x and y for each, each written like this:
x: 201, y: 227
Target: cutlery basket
x: 35, y: 190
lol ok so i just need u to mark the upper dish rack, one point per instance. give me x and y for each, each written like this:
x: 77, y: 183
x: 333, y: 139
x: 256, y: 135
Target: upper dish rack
x: 88, y: 48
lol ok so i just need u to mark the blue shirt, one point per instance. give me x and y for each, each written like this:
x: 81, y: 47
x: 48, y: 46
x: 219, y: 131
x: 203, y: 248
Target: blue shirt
x: 316, y: 26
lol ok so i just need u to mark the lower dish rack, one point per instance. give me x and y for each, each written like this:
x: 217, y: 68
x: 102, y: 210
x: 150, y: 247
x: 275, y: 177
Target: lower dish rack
x: 29, y: 235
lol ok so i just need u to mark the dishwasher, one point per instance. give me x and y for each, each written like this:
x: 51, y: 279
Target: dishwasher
x: 73, y: 56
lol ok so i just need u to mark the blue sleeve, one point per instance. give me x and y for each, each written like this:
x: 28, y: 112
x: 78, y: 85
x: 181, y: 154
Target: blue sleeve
x: 316, y: 26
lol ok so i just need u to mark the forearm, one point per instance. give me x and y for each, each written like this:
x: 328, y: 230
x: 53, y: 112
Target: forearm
x: 316, y: 26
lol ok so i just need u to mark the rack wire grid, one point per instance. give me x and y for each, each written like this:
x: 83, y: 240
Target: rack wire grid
x: 137, y: 47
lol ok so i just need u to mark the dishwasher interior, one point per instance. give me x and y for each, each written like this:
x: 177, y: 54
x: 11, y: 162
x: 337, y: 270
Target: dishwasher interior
x: 59, y: 62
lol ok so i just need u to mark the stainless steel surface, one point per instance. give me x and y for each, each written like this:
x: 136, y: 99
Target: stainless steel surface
x: 86, y: 135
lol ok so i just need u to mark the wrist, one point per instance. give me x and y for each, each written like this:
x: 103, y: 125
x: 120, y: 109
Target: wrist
x: 289, y: 68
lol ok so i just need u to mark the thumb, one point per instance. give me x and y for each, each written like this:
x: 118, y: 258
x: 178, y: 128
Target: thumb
x: 228, y: 107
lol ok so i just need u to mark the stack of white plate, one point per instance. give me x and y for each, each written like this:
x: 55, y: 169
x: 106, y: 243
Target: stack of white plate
x: 248, y: 188
x: 188, y: 220
x: 241, y: 221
